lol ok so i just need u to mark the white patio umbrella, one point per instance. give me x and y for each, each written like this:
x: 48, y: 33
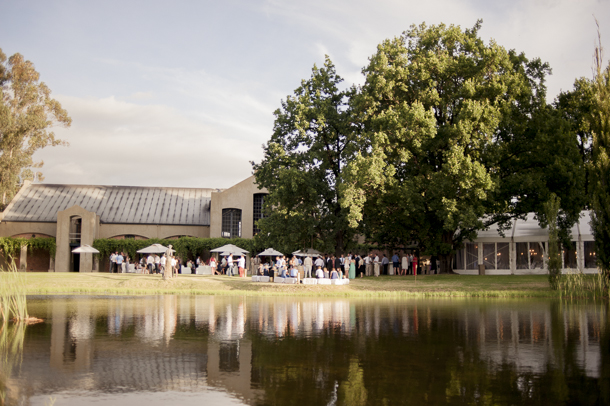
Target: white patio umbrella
x: 154, y: 249
x: 85, y: 249
x: 310, y: 252
x: 227, y: 253
x: 230, y: 248
x: 270, y: 252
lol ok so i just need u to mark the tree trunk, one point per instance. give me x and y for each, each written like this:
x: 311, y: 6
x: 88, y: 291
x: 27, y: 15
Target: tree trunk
x: 446, y: 267
x: 445, y: 258
x: 339, y: 249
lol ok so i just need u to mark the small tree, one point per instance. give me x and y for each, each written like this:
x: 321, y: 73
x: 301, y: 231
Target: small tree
x: 303, y: 166
x: 27, y: 111
x: 599, y: 168
x: 551, y: 209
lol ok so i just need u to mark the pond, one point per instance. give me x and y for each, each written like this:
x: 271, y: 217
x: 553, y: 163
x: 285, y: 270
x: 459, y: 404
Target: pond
x: 206, y: 350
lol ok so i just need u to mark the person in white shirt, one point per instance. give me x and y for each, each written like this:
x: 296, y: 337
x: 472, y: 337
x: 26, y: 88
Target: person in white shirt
x: 230, y: 265
x: 319, y: 273
x: 367, y: 265
x: 319, y: 262
x: 119, y: 263
x: 112, y: 262
x: 241, y: 265
x: 307, y: 265
x: 163, y: 262
x: 174, y: 263
x: 150, y: 263
x: 157, y: 264
x: 376, y: 265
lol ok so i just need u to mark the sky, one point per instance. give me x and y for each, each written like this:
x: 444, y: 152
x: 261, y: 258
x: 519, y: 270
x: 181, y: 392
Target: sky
x: 182, y: 93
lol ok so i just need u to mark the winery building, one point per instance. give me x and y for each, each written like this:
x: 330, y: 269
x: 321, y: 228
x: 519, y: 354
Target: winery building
x: 79, y: 214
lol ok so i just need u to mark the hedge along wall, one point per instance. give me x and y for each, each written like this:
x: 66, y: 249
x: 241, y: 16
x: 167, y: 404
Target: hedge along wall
x: 183, y: 245
x: 10, y: 248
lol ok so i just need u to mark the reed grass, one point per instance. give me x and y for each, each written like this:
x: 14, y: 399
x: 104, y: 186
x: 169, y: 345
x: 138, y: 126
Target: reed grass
x: 575, y: 284
x: 13, y: 301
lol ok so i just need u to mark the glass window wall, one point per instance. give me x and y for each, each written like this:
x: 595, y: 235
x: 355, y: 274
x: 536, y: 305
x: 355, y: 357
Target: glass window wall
x: 536, y: 255
x: 458, y: 260
x: 489, y: 255
x: 590, y: 257
x: 472, y: 256
x: 231, y: 223
x: 503, y: 255
x: 522, y: 255
x: 569, y: 256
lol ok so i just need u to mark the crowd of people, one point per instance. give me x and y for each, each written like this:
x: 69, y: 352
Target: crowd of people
x: 151, y: 264
x: 337, y: 267
x: 327, y: 266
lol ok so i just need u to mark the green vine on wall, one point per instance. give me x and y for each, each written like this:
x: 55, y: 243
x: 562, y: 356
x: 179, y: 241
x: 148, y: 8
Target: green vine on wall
x: 9, y: 246
x: 185, y: 246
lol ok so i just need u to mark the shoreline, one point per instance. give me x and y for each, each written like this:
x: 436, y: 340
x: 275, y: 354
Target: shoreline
x: 426, y: 286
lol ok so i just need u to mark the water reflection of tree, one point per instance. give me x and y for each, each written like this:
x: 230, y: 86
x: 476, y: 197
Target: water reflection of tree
x: 440, y: 362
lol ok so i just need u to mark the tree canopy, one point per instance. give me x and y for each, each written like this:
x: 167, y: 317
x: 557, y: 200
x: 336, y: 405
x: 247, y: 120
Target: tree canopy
x: 448, y: 135
x: 303, y: 166
x: 453, y: 127
x: 27, y: 112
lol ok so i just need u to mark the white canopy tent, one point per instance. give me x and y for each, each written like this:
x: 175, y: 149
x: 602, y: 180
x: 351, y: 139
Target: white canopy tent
x: 523, y: 249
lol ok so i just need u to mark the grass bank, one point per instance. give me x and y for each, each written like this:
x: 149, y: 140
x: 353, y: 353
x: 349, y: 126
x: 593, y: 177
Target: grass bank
x: 385, y: 286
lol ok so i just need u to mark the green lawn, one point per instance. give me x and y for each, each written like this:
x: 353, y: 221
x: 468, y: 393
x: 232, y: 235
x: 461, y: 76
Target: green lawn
x: 432, y: 285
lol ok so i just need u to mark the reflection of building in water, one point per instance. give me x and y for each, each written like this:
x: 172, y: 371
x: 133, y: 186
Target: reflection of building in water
x: 517, y: 336
x: 191, y: 343
x: 277, y: 318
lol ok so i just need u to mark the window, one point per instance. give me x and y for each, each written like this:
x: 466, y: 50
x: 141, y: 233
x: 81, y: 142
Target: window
x: 489, y: 255
x: 536, y: 257
x: 231, y: 223
x: 590, y: 257
x: 569, y: 256
x: 472, y: 256
x: 75, y: 229
x: 503, y: 255
x: 458, y: 261
x: 522, y: 255
x: 259, y: 200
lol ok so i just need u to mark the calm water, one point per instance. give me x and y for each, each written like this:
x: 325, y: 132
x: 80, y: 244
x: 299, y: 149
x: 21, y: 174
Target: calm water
x: 167, y: 350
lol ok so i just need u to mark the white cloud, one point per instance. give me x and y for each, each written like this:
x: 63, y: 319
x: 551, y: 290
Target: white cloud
x: 122, y: 143
x: 142, y: 96
x: 560, y: 32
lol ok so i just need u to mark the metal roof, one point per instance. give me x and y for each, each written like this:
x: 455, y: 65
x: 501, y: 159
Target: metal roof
x: 114, y: 204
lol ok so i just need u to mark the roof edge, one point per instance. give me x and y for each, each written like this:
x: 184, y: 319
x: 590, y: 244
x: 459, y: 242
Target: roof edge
x: 26, y: 184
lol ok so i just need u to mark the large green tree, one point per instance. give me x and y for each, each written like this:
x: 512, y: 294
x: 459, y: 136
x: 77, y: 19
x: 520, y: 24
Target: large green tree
x: 303, y: 166
x: 27, y: 112
x: 443, y: 115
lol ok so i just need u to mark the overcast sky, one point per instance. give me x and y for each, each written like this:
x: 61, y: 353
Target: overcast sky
x: 182, y: 93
